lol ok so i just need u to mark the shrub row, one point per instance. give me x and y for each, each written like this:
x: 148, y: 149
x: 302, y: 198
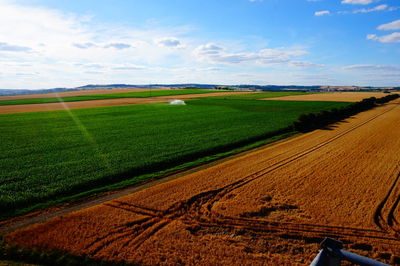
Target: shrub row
x: 387, y: 98
x: 309, y: 122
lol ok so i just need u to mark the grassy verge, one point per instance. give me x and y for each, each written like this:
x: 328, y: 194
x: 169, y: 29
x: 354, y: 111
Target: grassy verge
x: 52, y: 156
x: 141, y: 94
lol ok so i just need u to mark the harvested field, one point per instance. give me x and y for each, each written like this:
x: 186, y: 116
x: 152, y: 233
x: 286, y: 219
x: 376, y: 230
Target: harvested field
x: 21, y: 108
x: 334, y: 96
x: 72, y: 93
x: 272, y: 206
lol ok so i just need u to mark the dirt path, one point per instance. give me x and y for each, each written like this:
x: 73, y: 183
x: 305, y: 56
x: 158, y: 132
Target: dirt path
x: 271, y: 206
x: 334, y: 96
x: 22, y: 108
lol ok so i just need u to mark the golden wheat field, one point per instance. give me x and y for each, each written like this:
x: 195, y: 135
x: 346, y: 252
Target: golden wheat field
x: 331, y: 96
x: 271, y: 206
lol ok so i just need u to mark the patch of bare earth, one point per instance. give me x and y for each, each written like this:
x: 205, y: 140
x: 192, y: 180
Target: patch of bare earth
x: 272, y: 206
x: 334, y: 96
x: 22, y: 108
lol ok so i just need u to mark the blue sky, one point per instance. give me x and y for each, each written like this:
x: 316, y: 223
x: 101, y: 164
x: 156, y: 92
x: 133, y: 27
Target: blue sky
x: 49, y: 43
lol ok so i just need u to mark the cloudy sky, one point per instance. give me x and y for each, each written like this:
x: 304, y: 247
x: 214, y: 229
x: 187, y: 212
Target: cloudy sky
x: 51, y: 43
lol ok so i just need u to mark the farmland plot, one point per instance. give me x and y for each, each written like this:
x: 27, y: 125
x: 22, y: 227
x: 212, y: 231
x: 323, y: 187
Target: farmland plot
x: 72, y: 93
x: 79, y: 102
x: 94, y: 97
x: 332, y: 96
x: 272, y: 206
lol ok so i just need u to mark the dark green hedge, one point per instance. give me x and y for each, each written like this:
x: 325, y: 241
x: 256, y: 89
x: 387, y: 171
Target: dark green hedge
x: 309, y: 122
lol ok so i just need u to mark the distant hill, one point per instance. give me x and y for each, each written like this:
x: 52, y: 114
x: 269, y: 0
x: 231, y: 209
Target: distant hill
x: 6, y: 92
x: 126, y: 86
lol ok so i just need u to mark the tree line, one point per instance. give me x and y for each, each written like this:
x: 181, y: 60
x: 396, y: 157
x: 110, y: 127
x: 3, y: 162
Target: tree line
x: 309, y: 122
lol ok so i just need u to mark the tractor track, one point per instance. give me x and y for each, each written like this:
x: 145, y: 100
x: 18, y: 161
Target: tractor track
x: 386, y: 222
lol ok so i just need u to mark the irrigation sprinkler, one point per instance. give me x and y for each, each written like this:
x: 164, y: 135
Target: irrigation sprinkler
x: 332, y: 254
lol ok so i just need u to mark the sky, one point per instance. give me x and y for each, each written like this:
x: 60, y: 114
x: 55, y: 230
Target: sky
x: 51, y: 43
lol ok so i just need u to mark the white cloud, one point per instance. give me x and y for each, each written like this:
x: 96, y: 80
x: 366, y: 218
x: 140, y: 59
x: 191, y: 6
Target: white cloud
x: 394, y: 25
x: 87, y: 45
x: 374, y: 9
x: 279, y: 56
x: 52, y: 42
x: 128, y: 67
x: 382, y: 7
x: 390, y: 38
x: 107, y: 67
x: 304, y: 65
x: 375, y: 75
x: 84, y: 45
x: 372, y: 37
x: 91, y: 65
x: 359, y: 2
x: 366, y: 67
x: 322, y: 13
x: 169, y: 42
x: 118, y: 46
x: 13, y: 48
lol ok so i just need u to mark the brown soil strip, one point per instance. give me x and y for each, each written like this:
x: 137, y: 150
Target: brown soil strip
x: 22, y: 108
x: 271, y: 206
x: 334, y: 96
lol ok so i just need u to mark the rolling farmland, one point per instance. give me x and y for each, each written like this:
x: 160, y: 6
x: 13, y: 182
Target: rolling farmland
x: 47, y: 156
x: 270, y: 206
x: 121, y: 95
x: 261, y: 95
x: 251, y: 132
x: 59, y: 105
x: 332, y: 96
x: 72, y: 93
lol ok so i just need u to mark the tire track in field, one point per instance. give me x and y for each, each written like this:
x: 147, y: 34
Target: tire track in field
x: 389, y: 204
x: 197, y: 210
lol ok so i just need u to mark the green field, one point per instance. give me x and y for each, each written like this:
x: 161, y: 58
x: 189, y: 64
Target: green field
x: 140, y: 94
x: 50, y: 155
